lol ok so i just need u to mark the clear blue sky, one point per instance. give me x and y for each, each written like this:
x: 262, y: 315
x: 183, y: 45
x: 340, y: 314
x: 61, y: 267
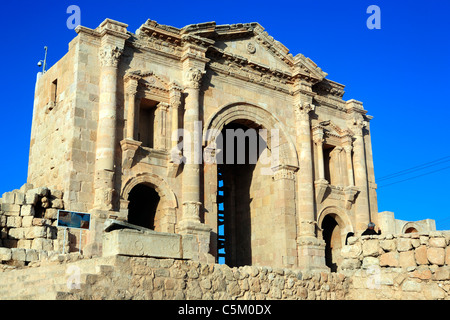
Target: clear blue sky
x: 400, y: 72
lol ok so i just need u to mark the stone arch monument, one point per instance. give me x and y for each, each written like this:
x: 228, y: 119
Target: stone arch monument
x: 125, y: 109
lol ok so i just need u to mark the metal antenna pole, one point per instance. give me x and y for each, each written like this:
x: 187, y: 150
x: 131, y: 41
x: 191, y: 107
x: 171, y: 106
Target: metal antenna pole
x: 45, y: 60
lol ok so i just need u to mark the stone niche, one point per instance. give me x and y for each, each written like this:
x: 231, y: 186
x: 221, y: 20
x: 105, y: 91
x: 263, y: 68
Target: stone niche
x: 141, y: 242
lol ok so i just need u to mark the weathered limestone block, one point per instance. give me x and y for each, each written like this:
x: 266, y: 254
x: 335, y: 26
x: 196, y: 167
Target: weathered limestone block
x: 14, y: 222
x: 422, y: 274
x: 350, y: 264
x: 25, y: 187
x: 404, y: 244
x: 24, y: 243
x: 388, y: 245
x: 411, y: 286
x: 27, y: 210
x: 437, y: 242
x: 57, y: 204
x: 370, y: 262
x: 18, y: 254
x: 36, y: 232
x: 420, y: 255
x: 5, y: 254
x: 406, y: 259
x: 432, y: 291
x: 51, y: 213
x: 371, y: 248
x: 3, y: 220
x: 447, y: 255
x: 17, y: 233
x: 20, y: 198
x: 42, y: 244
x: 31, y: 255
x: 27, y: 221
x: 144, y: 244
x: 11, y: 209
x: 9, y: 197
x: 436, y: 255
x: 389, y: 259
x: 442, y: 273
x: 57, y: 193
x: 31, y: 197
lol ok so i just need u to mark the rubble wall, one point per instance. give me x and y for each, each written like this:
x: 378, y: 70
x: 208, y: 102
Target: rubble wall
x: 405, y: 266
x: 28, y: 225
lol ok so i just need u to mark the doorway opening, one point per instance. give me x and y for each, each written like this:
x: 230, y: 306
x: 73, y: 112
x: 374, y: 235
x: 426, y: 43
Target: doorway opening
x: 235, y: 178
x: 143, y: 205
x: 333, y: 242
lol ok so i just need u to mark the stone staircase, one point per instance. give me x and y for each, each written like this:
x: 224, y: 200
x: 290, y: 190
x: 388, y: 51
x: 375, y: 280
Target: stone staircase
x: 54, y: 282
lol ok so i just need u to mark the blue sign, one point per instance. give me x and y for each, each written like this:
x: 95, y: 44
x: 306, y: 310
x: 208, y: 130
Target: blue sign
x: 76, y: 220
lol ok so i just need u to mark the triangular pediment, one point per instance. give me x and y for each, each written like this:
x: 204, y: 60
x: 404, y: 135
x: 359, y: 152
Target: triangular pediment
x: 246, y: 43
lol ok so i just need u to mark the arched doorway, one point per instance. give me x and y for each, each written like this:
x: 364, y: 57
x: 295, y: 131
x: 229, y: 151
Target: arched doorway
x: 411, y: 230
x: 262, y: 229
x: 333, y: 243
x: 143, y: 205
x: 238, y: 178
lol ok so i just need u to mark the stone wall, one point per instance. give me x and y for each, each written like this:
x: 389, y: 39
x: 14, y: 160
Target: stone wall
x: 139, y: 278
x: 406, y: 266
x: 28, y: 218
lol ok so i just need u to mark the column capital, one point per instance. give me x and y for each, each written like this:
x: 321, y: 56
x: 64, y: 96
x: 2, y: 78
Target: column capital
x: 109, y: 55
x: 303, y: 109
x: 284, y: 172
x: 163, y: 106
x: 318, y: 135
x: 193, y: 78
x: 357, y: 126
x: 348, y: 148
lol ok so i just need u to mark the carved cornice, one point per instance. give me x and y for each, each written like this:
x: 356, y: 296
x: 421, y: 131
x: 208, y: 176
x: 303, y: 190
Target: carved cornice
x: 331, y: 131
x: 329, y: 88
x: 114, y: 28
x: 249, y: 71
x: 109, y: 55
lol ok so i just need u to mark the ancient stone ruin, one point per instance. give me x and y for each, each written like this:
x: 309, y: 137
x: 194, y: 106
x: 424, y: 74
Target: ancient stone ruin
x: 212, y: 163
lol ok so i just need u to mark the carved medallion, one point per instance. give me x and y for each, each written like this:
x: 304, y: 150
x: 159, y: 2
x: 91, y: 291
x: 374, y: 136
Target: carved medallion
x: 251, y: 48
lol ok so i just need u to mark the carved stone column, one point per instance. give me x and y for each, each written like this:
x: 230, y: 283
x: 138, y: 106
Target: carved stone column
x: 109, y: 56
x: 131, y: 86
x: 192, y: 167
x: 161, y: 125
x: 285, y: 224
x: 305, y: 174
x: 348, y: 153
x: 318, y: 140
x: 336, y: 176
x: 310, y: 250
x: 362, y: 211
x: 350, y: 190
x: 321, y: 184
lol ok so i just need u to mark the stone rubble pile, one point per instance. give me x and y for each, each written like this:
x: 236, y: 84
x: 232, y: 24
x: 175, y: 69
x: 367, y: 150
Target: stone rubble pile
x: 28, y: 219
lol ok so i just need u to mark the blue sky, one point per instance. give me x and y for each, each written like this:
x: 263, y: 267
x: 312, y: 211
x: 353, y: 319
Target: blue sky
x: 400, y: 73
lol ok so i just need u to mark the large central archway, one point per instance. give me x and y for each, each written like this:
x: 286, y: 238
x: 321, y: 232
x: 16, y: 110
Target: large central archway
x: 253, y: 214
